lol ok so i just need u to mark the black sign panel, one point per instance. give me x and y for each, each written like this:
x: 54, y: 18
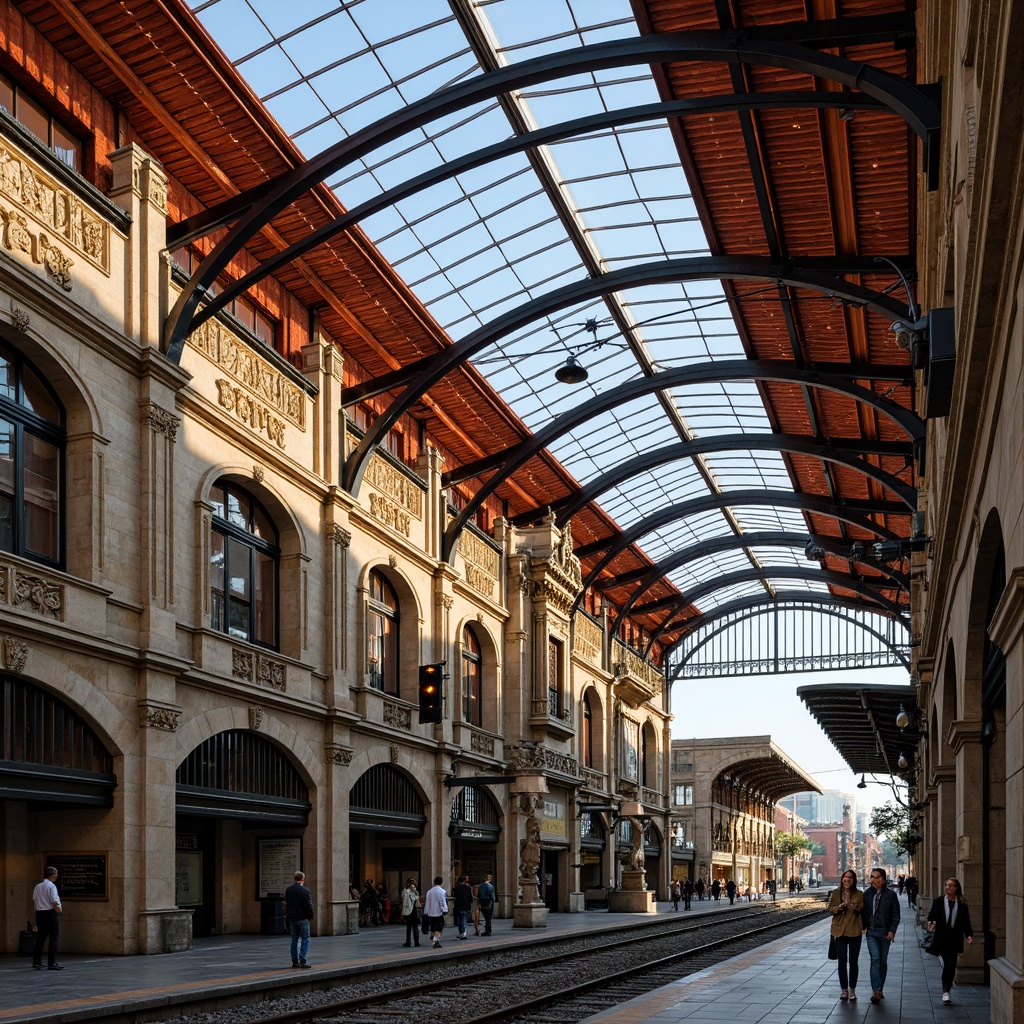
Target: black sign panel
x: 80, y: 876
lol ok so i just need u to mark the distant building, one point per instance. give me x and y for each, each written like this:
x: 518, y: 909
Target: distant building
x: 723, y: 817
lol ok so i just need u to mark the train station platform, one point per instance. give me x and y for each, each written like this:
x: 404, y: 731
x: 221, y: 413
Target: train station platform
x: 789, y: 980
x: 792, y: 981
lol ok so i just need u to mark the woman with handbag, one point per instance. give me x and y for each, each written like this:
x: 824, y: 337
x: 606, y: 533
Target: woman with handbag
x: 949, y: 921
x: 845, y: 906
x: 411, y: 903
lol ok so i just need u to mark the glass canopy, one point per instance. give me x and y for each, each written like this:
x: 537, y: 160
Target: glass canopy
x: 490, y: 239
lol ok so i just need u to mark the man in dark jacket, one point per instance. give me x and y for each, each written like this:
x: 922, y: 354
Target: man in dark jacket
x: 950, y: 920
x: 298, y: 907
x: 881, y: 918
x: 463, y: 904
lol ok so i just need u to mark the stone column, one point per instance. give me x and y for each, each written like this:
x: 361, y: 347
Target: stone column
x: 163, y: 927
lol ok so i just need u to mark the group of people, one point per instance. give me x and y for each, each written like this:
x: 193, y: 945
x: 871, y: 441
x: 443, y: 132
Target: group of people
x: 874, y: 915
x: 374, y: 904
x: 683, y: 891
x: 427, y: 913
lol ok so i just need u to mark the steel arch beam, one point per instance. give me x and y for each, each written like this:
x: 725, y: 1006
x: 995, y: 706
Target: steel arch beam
x: 856, y: 514
x: 763, y: 573
x: 916, y: 105
x: 513, y: 458
x: 188, y: 229
x: 761, y: 607
x: 732, y: 542
x: 843, y: 452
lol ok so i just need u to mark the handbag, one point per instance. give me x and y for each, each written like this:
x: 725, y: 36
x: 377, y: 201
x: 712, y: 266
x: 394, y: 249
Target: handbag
x: 929, y: 945
x: 833, y: 953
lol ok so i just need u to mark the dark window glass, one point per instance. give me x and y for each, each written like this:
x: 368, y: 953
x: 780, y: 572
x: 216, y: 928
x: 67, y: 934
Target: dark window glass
x: 244, y: 559
x: 32, y: 442
x: 49, y: 131
x: 587, y: 738
x: 383, y: 636
x: 472, y: 708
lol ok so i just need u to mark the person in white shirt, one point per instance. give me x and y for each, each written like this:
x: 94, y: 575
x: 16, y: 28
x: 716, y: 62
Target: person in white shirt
x: 46, y: 900
x: 435, y: 906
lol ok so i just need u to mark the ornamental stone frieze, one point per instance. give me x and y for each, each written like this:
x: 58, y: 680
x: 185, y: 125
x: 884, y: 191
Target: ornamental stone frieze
x: 41, y: 199
x: 482, y: 563
x: 587, y: 638
x: 556, y: 578
x: 530, y: 756
x: 390, y: 515
x: 397, y: 717
x: 36, y: 245
x: 14, y: 652
x: 255, y: 717
x: 395, y: 485
x: 255, y: 374
x: 258, y: 669
x: 339, y: 755
x: 32, y: 592
x: 481, y: 744
x: 251, y: 412
x: 160, y: 718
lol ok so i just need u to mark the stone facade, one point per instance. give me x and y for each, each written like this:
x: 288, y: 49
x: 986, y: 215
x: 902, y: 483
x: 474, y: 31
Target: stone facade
x: 969, y: 614
x: 124, y: 632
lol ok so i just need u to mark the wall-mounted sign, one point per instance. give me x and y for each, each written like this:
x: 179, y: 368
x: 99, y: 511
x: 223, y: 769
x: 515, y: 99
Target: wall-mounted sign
x: 188, y: 878
x: 277, y: 860
x: 80, y: 876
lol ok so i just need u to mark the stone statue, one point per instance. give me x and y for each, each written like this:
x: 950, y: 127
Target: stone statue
x: 529, y: 849
x: 636, y: 856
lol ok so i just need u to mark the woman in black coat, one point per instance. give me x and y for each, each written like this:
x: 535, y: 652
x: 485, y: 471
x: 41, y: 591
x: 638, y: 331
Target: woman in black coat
x: 950, y: 920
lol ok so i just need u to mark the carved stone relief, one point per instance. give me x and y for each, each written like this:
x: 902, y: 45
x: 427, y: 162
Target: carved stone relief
x: 255, y: 717
x: 160, y: 718
x: 35, y: 194
x: 35, y: 593
x: 397, y: 716
x: 14, y: 652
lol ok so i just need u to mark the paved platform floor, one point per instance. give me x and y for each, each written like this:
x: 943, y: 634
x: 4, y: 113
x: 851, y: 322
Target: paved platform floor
x: 789, y: 980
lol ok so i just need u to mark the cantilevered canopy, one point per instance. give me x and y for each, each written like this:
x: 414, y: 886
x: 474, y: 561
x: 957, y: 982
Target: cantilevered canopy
x: 769, y: 772
x: 861, y: 722
x: 511, y: 155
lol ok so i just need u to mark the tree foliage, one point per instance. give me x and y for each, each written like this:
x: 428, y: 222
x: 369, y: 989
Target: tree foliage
x: 789, y: 844
x: 893, y: 821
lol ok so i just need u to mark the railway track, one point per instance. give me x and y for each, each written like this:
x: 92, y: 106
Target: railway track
x: 566, y: 984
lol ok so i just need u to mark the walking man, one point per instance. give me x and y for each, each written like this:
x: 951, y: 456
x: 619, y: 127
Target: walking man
x: 486, y: 895
x: 47, y: 903
x: 881, y: 918
x: 435, y: 906
x: 463, y: 904
x: 687, y: 893
x: 298, y: 908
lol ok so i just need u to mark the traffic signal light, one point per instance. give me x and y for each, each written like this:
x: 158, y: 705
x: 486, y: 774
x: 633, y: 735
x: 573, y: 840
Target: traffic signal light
x: 431, y: 704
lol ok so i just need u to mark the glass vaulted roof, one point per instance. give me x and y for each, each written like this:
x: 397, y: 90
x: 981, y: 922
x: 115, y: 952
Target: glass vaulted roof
x: 492, y: 238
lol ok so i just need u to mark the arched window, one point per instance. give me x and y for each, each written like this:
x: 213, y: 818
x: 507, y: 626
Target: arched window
x: 646, y: 769
x: 383, y: 639
x: 587, y: 734
x: 32, y: 440
x: 472, y: 702
x: 244, y: 560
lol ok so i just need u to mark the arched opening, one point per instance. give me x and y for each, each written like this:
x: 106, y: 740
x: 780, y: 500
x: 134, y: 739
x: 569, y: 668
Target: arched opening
x: 472, y: 679
x: 587, y: 733
x: 32, y: 447
x: 234, y: 786
x: 474, y: 828
x: 384, y: 622
x: 386, y: 820
x: 244, y: 566
x: 49, y: 755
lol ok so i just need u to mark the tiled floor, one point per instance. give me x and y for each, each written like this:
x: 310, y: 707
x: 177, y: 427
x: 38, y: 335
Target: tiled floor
x: 791, y: 981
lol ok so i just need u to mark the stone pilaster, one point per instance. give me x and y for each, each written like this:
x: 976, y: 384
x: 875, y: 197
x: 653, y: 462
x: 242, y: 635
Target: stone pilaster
x: 140, y: 189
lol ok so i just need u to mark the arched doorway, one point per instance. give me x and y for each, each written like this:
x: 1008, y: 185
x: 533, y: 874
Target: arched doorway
x: 474, y: 829
x: 386, y: 823
x: 242, y: 810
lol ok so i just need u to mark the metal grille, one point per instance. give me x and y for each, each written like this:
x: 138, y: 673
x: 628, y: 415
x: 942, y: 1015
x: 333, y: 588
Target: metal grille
x: 239, y: 762
x: 791, y: 637
x: 37, y: 727
x: 383, y: 788
x: 474, y: 806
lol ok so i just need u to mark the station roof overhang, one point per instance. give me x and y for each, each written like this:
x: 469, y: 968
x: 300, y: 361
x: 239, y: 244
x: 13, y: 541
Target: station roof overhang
x: 769, y: 772
x: 861, y: 723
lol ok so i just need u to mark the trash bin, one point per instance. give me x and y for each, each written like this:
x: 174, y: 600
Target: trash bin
x: 272, y: 917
